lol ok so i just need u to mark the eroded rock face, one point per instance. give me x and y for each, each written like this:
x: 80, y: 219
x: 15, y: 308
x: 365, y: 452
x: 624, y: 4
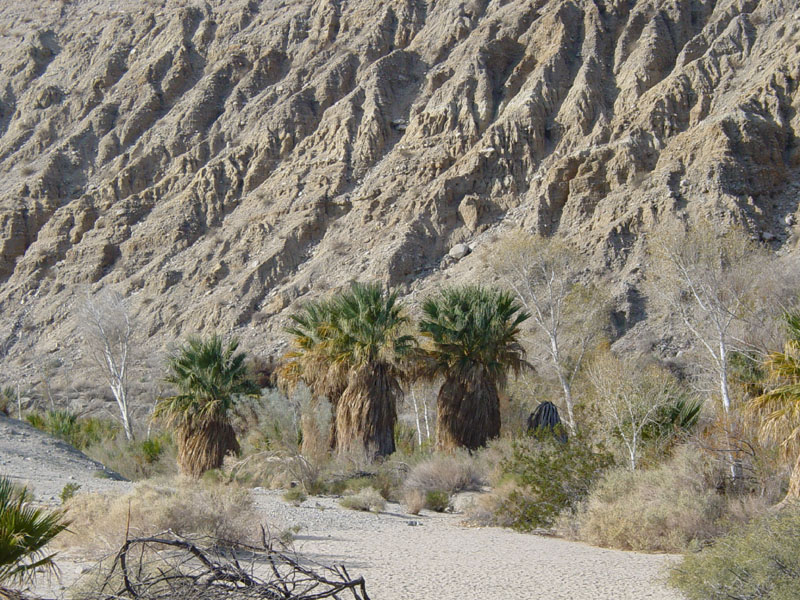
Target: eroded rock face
x: 218, y: 161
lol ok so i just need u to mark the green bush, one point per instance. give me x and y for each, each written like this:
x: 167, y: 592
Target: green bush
x: 760, y: 561
x: 66, y: 426
x: 139, y: 459
x: 24, y: 531
x: 68, y: 491
x: 295, y: 495
x: 662, y: 509
x: 549, y: 477
x: 437, y: 500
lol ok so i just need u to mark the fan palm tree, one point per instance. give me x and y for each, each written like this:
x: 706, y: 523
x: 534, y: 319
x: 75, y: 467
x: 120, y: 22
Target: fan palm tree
x: 310, y: 360
x: 350, y: 349
x: 209, y: 375
x: 779, y: 406
x: 24, y: 531
x: 473, y: 344
x: 368, y: 339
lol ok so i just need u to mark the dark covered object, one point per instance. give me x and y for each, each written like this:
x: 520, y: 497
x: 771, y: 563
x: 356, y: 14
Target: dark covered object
x: 545, y: 418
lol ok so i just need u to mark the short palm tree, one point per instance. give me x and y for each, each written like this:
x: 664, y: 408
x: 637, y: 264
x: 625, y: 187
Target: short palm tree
x: 473, y: 344
x: 368, y: 338
x: 779, y: 406
x: 310, y: 361
x: 24, y: 531
x: 209, y: 375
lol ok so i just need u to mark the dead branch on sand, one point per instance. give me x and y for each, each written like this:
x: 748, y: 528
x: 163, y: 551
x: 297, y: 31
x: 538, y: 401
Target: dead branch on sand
x: 169, y: 567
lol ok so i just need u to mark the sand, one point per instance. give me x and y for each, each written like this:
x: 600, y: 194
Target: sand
x: 434, y: 556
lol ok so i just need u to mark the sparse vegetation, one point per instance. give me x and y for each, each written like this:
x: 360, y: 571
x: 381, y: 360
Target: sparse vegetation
x: 186, y: 507
x: 367, y: 499
x: 760, y: 560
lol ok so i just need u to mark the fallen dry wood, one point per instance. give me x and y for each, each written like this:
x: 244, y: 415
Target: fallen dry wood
x: 170, y: 567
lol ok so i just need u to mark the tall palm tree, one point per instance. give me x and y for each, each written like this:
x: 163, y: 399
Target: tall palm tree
x: 473, y: 343
x: 368, y: 339
x: 350, y: 349
x: 209, y: 375
x: 24, y: 531
x: 779, y: 406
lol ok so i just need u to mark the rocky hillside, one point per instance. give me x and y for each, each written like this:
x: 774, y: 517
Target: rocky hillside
x: 218, y: 160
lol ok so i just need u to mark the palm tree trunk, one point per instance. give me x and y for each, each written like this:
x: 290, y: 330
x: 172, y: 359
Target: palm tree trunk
x: 203, y: 446
x: 367, y: 411
x: 468, y: 413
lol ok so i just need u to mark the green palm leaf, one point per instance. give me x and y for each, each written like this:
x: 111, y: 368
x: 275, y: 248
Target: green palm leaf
x: 24, y: 531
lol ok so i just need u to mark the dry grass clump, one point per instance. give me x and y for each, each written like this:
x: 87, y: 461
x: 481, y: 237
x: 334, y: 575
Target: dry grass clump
x: 414, y: 501
x: 99, y: 521
x: 368, y: 499
x: 662, y: 509
x: 449, y: 473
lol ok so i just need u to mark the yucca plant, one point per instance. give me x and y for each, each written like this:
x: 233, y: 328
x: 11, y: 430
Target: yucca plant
x: 779, y: 405
x: 24, y: 532
x: 209, y: 375
x: 473, y: 343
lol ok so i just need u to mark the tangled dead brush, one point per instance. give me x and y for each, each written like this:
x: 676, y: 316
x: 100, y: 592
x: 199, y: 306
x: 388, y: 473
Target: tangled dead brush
x: 170, y: 567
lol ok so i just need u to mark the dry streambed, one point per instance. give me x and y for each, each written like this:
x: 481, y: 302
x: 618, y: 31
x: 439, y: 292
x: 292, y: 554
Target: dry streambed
x: 406, y: 557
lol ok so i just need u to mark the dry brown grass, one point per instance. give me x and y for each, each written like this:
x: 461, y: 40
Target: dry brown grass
x: 414, y: 501
x: 449, y: 473
x: 100, y: 522
x: 662, y: 509
x: 368, y: 499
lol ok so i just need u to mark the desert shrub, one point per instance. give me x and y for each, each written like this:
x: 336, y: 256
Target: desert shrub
x: 188, y: 508
x: 8, y: 397
x: 758, y: 561
x: 295, y: 495
x: 543, y: 478
x: 68, y: 491
x: 661, y: 509
x: 414, y: 501
x: 437, y: 500
x: 67, y: 426
x: 368, y: 499
x: 138, y: 459
x: 449, y: 473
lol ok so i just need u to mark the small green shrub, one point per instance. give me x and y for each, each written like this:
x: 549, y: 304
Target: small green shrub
x: 295, y: 495
x: 760, y: 561
x: 68, y: 491
x: 548, y: 477
x: 368, y: 499
x: 140, y: 459
x: 437, y: 500
x: 66, y: 426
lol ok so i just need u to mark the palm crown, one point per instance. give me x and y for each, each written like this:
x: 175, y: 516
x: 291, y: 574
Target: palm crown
x: 473, y: 331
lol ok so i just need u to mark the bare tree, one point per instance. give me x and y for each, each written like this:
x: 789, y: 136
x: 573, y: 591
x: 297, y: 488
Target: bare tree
x: 631, y: 396
x: 107, y: 330
x: 566, y: 315
x: 712, y: 282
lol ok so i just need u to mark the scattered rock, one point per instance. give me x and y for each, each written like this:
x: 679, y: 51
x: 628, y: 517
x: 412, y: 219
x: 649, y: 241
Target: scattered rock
x: 458, y: 251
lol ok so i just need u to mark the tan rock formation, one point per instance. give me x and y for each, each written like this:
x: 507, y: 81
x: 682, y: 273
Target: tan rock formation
x: 219, y: 160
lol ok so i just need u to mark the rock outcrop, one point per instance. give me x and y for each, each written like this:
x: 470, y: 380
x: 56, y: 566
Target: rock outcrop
x: 216, y: 161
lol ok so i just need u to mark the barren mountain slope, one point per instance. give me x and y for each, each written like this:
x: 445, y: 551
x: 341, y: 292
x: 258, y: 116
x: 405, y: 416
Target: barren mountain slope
x: 218, y: 160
